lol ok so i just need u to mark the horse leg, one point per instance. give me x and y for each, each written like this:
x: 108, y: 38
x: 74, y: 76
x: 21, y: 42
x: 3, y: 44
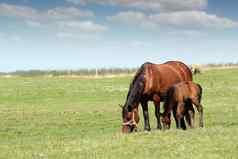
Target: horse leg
x: 146, y: 116
x: 179, y: 123
x: 157, y: 111
x: 189, y: 114
x: 174, y: 114
x: 183, y: 125
x: 157, y: 114
x: 169, y: 116
x: 187, y: 117
x: 179, y: 116
x: 199, y: 107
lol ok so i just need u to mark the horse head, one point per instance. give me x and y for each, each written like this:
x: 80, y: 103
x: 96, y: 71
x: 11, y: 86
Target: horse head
x: 166, y: 121
x: 130, y: 119
x: 130, y: 115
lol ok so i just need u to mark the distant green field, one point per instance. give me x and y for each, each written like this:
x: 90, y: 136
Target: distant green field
x: 66, y: 118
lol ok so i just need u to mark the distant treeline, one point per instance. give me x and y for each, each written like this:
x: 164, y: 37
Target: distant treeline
x: 80, y: 72
x: 222, y: 65
x: 92, y: 72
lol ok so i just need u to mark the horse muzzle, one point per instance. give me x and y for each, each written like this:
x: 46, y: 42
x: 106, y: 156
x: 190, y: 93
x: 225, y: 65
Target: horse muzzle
x: 128, y: 127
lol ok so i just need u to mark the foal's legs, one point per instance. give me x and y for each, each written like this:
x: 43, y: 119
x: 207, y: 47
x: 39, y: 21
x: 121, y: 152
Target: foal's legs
x: 182, y: 122
x: 174, y: 114
x: 183, y: 125
x: 146, y: 116
x: 189, y: 114
x: 180, y: 116
x: 199, y: 107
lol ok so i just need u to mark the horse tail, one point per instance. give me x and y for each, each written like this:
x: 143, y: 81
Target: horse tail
x: 200, y: 92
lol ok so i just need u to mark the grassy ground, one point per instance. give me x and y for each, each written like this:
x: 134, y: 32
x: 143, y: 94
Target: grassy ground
x: 53, y: 118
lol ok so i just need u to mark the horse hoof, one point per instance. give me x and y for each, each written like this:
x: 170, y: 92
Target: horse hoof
x: 147, y: 130
x: 159, y: 127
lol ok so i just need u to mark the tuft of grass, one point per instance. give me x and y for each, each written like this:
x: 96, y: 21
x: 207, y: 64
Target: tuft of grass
x: 48, y: 118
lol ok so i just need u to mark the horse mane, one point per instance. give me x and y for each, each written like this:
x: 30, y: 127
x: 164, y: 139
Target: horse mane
x: 139, y: 72
x: 138, y: 76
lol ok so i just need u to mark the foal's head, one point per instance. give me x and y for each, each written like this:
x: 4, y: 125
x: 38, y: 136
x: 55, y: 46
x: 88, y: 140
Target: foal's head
x: 130, y: 120
x: 166, y: 121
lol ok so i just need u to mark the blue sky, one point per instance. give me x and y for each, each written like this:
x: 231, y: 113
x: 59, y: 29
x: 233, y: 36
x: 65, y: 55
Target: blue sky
x: 73, y: 34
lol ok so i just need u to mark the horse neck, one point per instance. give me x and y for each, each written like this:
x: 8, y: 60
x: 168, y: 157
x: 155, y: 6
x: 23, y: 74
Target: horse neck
x: 135, y: 93
x: 133, y: 101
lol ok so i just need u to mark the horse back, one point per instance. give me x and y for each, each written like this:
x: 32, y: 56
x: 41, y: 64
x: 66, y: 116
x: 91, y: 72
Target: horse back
x: 186, y: 90
x: 159, y: 77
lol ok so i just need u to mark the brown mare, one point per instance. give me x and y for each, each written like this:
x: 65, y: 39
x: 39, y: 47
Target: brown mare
x: 177, y: 98
x: 151, y: 83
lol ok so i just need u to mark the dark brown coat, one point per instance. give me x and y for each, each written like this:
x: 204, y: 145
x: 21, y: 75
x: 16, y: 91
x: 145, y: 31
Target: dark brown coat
x: 151, y: 83
x: 177, y: 98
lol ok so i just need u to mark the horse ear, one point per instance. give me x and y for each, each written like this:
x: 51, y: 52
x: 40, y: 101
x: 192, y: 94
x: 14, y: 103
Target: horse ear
x: 120, y: 106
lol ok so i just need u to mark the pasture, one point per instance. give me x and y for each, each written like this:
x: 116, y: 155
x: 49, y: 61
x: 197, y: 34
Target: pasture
x: 69, y: 118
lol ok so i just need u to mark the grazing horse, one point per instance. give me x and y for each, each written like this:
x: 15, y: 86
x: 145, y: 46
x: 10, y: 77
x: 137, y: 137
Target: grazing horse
x: 151, y: 83
x: 177, y: 98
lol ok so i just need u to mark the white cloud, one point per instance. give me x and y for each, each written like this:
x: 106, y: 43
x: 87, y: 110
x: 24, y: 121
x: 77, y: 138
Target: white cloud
x: 65, y: 35
x: 155, y: 5
x: 183, y: 19
x: 139, y: 44
x: 57, y: 13
x: 33, y: 23
x: 75, y: 37
x: 133, y: 18
x: 69, y: 20
x: 181, y: 5
x: 127, y: 44
x: 18, y: 11
x: 84, y: 26
x: 193, y: 19
x: 186, y: 33
x: 130, y: 17
x: 77, y: 2
x: 68, y: 13
x: 79, y: 30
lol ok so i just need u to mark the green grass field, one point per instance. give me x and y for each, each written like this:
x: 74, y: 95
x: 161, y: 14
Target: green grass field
x: 65, y: 118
